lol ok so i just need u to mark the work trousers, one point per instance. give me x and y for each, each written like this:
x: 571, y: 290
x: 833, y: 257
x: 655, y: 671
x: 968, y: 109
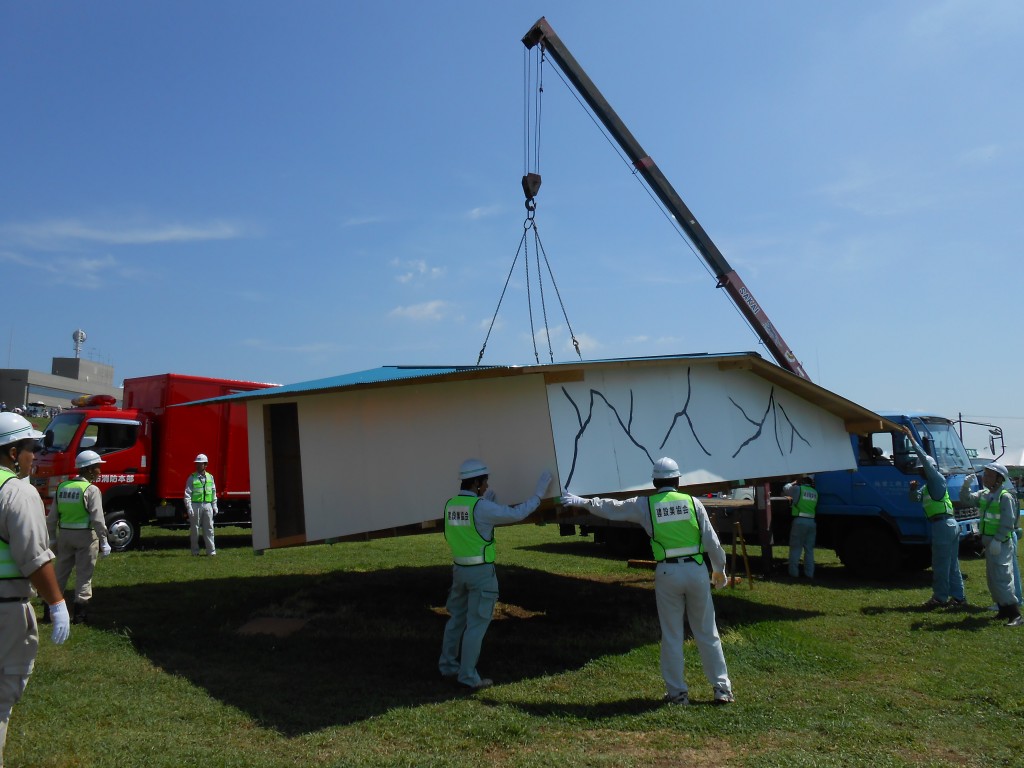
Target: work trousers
x: 801, y: 541
x: 682, y: 591
x: 947, y: 581
x: 19, y: 642
x: 77, y: 549
x: 999, y: 571
x: 1016, y: 569
x: 201, y: 516
x: 471, y: 601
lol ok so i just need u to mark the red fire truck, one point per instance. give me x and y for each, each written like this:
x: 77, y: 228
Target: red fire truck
x: 149, y: 447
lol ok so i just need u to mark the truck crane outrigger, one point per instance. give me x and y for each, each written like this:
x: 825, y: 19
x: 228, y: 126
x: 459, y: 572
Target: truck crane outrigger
x: 542, y: 34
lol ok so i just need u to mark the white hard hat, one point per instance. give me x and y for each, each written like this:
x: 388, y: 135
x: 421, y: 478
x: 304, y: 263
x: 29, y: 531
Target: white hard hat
x: 87, y: 459
x: 14, y: 428
x: 665, y: 468
x: 202, y: 458
x: 471, y: 468
x: 999, y: 469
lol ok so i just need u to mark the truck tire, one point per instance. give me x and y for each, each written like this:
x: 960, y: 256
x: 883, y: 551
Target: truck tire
x: 870, y: 552
x: 122, y: 532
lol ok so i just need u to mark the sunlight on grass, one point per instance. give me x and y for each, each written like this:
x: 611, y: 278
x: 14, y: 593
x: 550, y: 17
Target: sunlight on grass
x: 839, y: 672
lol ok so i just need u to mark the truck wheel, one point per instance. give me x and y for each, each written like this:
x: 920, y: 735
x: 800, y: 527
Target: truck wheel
x: 870, y: 552
x: 122, y: 533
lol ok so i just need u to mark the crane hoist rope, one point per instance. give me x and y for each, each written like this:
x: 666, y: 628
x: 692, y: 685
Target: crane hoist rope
x: 531, y: 186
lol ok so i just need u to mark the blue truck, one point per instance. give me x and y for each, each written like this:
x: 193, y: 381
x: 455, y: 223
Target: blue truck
x: 866, y: 515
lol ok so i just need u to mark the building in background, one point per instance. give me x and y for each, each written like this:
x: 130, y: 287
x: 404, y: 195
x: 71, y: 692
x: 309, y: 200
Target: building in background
x: 69, y: 377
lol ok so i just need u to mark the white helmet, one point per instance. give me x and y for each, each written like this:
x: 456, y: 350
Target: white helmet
x: 14, y: 428
x: 471, y: 468
x: 201, y: 458
x: 87, y: 459
x: 999, y: 469
x: 665, y: 468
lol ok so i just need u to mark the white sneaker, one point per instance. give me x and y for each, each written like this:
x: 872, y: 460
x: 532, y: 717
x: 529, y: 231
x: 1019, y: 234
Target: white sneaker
x: 723, y: 696
x: 681, y: 699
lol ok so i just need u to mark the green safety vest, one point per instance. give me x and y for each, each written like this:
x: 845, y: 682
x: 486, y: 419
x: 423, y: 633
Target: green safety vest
x: 806, y: 503
x: 990, y: 513
x: 468, y: 546
x: 71, y: 511
x: 675, y: 526
x: 8, y: 568
x: 202, y: 488
x: 933, y: 508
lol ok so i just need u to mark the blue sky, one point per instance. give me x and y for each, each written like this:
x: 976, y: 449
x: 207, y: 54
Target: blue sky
x: 286, y: 191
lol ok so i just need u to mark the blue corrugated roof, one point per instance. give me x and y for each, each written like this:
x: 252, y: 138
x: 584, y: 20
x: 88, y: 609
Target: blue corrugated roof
x: 405, y: 373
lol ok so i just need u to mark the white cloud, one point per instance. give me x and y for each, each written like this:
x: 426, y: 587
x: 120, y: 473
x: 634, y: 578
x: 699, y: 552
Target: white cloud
x: 410, y: 270
x: 85, y: 272
x: 62, y: 233
x: 483, y: 212
x: 430, y: 310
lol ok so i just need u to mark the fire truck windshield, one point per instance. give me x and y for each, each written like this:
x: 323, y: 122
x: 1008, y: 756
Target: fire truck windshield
x: 61, y: 431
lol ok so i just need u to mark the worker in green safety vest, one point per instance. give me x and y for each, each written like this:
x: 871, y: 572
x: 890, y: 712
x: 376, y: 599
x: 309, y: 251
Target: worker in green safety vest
x: 804, y: 529
x: 26, y: 566
x: 947, y: 580
x: 201, y: 506
x: 682, y: 540
x: 469, y: 521
x: 77, y: 526
x: 998, y: 509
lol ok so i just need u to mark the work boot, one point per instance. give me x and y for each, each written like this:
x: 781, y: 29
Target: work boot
x: 79, y: 612
x: 1013, y: 616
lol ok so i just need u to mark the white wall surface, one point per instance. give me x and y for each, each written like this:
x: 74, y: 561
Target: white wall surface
x: 610, y: 427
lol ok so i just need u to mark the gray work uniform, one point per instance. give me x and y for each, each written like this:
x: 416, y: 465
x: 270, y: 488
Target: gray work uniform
x: 998, y: 565
x: 23, y: 527
x: 201, y: 513
x: 474, y: 593
x: 681, y: 590
x: 78, y: 548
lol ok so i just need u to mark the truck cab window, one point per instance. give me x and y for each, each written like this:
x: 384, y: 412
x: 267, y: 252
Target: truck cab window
x: 60, y: 432
x: 107, y: 437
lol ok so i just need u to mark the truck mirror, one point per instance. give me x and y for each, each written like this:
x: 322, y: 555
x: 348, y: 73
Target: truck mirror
x: 48, y: 439
x: 87, y: 442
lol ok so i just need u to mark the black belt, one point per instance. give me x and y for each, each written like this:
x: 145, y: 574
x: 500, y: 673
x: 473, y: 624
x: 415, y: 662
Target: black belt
x: 13, y: 599
x: 679, y: 560
x: 936, y: 518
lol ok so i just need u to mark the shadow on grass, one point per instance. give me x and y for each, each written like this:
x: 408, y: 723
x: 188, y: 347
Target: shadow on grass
x: 156, y: 539
x: 827, y: 575
x: 372, y: 639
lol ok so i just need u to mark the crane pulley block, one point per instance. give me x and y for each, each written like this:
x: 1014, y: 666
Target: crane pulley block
x: 531, y: 185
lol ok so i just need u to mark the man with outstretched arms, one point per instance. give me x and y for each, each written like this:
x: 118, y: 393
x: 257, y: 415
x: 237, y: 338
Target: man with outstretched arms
x: 469, y: 521
x: 681, y: 538
x: 947, y: 581
x: 998, y: 510
x: 25, y: 566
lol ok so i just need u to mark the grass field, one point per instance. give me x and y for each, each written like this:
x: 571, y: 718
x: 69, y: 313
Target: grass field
x: 838, y: 673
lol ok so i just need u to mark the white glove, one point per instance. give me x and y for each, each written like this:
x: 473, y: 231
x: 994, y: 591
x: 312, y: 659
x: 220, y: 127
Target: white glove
x: 572, y: 500
x: 994, y: 547
x: 216, y: 511
x: 717, y: 579
x: 968, y: 479
x: 542, y: 483
x: 61, y: 622
x: 104, y: 548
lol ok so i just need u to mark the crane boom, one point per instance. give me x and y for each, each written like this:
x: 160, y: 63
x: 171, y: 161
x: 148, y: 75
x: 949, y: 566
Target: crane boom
x: 542, y: 34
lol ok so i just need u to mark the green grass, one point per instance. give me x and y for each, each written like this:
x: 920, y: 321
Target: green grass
x: 839, y: 673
